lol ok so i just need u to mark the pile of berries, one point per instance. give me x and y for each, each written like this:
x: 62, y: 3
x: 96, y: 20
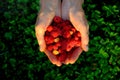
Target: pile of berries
x: 62, y: 38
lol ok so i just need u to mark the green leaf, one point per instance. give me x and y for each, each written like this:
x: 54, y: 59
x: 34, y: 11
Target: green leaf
x: 66, y: 78
x: 30, y: 66
x: 103, y: 53
x: 13, y: 62
x: 2, y: 46
x: 8, y: 35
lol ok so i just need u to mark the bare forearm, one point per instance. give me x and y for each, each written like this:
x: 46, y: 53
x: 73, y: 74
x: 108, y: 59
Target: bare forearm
x: 48, y: 6
x: 73, y: 6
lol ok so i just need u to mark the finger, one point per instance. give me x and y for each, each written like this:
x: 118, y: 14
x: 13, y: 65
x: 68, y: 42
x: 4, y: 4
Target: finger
x: 67, y: 61
x: 42, y: 22
x: 40, y: 37
x: 80, y: 23
x: 72, y: 58
x: 53, y: 58
x: 84, y: 41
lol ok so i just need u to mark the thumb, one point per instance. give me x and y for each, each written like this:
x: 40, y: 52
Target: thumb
x: 42, y: 22
x: 40, y: 37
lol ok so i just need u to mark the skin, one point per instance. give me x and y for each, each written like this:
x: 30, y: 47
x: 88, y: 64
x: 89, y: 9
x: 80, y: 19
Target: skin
x: 68, y: 9
x: 73, y: 11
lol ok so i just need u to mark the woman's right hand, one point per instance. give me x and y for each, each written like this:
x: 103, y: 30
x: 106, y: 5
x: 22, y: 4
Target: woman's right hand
x: 49, y: 9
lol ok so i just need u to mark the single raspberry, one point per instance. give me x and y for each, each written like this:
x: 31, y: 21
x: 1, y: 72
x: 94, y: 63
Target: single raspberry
x: 57, y: 19
x: 49, y: 40
x: 70, y: 45
x: 49, y: 28
x: 78, y: 43
x: 73, y: 29
x: 55, y: 34
x: 58, y: 44
x: 78, y: 34
x: 50, y: 47
x: 76, y: 38
x: 55, y: 47
x: 66, y: 34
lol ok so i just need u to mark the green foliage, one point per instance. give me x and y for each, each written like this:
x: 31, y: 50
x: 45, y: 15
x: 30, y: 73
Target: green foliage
x: 20, y: 58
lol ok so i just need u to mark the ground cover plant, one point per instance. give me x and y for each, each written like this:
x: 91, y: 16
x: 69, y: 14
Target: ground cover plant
x: 20, y: 58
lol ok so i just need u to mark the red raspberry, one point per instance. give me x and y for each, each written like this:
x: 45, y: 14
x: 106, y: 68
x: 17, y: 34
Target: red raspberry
x: 55, y: 34
x: 58, y: 44
x: 78, y: 34
x: 70, y: 45
x: 73, y: 29
x: 57, y: 19
x: 78, y: 43
x: 50, y: 47
x: 49, y: 28
x: 55, y: 47
x: 66, y: 34
x: 49, y: 40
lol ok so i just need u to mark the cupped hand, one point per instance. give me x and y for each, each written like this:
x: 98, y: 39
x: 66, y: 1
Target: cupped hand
x: 72, y: 10
x: 48, y: 10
